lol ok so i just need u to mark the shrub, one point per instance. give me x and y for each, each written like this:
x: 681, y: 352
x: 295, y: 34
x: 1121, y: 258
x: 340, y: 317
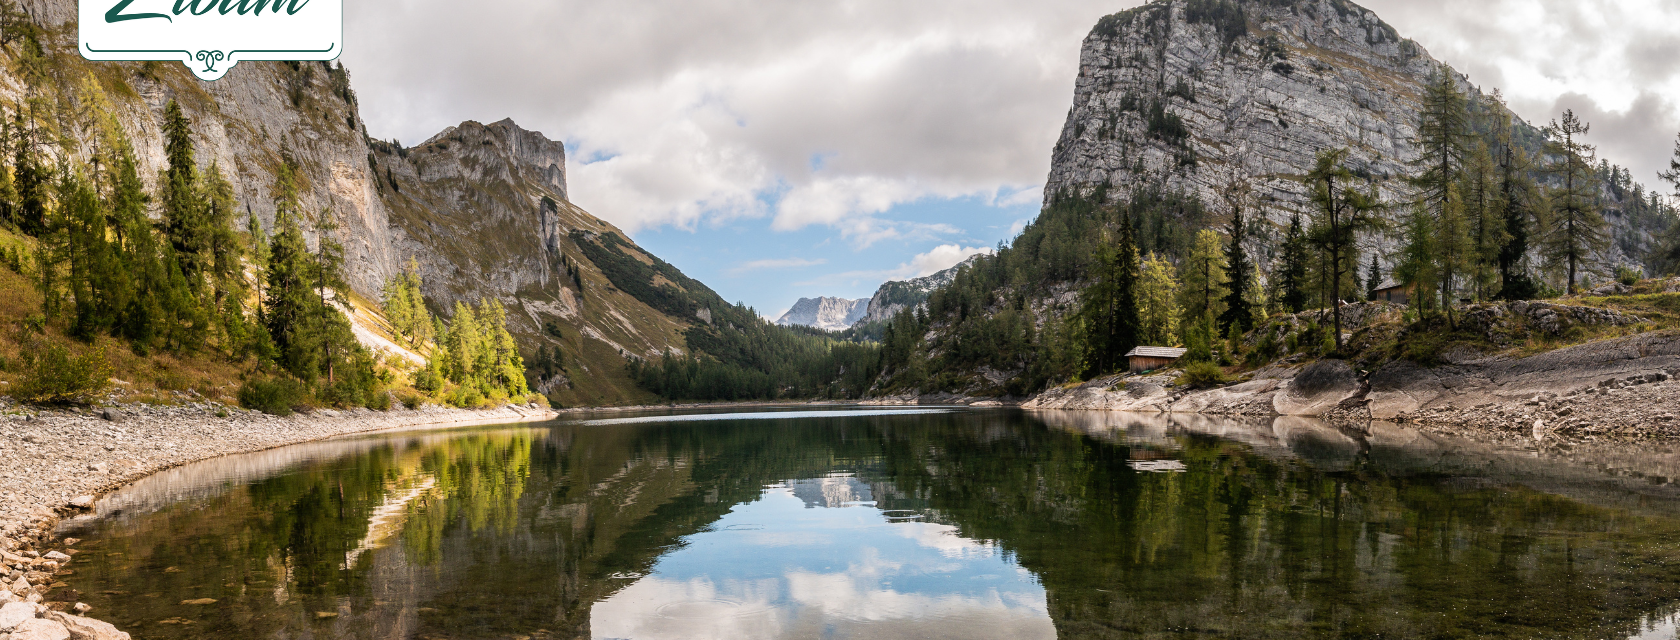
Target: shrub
x: 1201, y: 375
x: 379, y: 401
x: 1628, y: 275
x: 466, y: 396
x: 56, y: 377
x: 274, y: 396
x: 429, y: 380
x: 410, y: 399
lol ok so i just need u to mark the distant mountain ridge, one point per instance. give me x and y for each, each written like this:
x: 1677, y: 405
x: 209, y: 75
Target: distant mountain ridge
x: 828, y: 314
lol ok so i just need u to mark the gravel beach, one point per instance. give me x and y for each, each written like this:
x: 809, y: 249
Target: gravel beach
x: 55, y: 462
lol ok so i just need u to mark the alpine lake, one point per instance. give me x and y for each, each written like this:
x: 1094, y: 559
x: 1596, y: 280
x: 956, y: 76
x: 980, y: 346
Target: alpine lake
x: 922, y: 522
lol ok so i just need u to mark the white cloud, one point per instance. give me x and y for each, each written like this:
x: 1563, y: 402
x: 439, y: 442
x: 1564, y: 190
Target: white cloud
x: 935, y: 260
x: 711, y: 110
x: 776, y: 263
x: 941, y: 258
x: 829, y: 113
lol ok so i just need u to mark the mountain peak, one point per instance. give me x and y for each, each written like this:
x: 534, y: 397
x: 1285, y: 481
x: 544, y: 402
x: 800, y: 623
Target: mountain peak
x: 521, y: 150
x: 828, y: 314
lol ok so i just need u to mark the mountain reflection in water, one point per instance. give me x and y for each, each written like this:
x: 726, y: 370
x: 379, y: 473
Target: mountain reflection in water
x: 892, y: 523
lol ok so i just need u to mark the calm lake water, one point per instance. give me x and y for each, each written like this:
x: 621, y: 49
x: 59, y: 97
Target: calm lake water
x: 902, y: 523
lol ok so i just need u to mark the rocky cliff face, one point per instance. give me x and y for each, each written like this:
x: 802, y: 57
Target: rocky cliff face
x: 482, y: 209
x: 828, y: 314
x: 1260, y: 88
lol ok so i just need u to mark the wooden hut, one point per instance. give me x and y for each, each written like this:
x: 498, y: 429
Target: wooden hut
x: 1395, y: 293
x: 1152, y: 358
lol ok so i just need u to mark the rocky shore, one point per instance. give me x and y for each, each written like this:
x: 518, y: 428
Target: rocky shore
x: 55, y: 462
x: 1624, y: 388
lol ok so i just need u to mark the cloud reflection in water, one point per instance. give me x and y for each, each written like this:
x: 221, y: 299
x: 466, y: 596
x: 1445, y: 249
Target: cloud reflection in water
x: 816, y: 558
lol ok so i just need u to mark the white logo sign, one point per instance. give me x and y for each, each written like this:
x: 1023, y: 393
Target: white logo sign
x: 210, y: 36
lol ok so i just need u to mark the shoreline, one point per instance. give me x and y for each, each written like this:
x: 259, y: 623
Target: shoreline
x: 56, y: 463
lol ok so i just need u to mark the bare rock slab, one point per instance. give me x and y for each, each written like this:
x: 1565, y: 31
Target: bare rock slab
x: 81, y: 628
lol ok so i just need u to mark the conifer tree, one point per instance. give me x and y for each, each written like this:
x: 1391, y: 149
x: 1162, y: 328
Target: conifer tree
x: 1576, y: 229
x: 184, y: 223
x: 1373, y: 278
x: 1670, y: 252
x: 1442, y: 135
x: 1342, y: 212
x: 290, y: 302
x: 1516, y: 190
x: 1454, y: 251
x: 1205, y: 282
x: 1109, y: 312
x: 31, y: 178
x: 326, y: 272
x: 1415, y: 267
x: 1484, y: 211
x: 1158, y: 302
x: 225, y: 254
x: 1292, y: 268
x: 1239, y: 275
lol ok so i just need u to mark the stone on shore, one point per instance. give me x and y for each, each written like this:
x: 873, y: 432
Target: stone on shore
x: 87, y: 628
x: 14, y: 614
x: 38, y: 629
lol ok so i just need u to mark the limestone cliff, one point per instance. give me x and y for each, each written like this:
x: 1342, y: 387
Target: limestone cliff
x: 1187, y: 94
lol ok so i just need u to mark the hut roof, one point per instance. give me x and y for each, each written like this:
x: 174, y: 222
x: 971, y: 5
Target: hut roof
x: 1156, y: 352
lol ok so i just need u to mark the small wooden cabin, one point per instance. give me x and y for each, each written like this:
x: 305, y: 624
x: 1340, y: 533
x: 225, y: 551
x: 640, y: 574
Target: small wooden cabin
x: 1152, y: 358
x: 1398, y: 294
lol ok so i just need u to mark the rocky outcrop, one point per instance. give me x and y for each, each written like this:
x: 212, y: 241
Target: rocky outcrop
x: 1275, y: 391
x: 1401, y: 388
x: 1188, y: 95
x: 828, y: 314
x: 894, y: 296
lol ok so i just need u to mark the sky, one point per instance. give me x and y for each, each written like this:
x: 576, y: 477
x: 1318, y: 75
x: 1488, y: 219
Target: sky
x: 779, y: 149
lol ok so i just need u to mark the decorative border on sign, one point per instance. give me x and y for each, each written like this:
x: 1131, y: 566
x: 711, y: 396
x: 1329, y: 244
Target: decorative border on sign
x: 212, y: 56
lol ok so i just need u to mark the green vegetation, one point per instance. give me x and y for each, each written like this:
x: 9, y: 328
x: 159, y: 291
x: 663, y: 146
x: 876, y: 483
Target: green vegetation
x: 54, y: 376
x: 171, y: 293
x: 1202, y: 375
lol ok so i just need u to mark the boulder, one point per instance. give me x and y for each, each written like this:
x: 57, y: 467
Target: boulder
x: 14, y: 613
x: 57, y: 556
x: 82, y: 502
x: 87, y: 628
x: 38, y: 629
x: 112, y: 415
x: 1318, y: 388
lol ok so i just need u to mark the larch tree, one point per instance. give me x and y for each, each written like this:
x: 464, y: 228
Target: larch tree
x: 1205, y: 283
x: 1158, y: 302
x: 1576, y: 228
x: 1342, y: 212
